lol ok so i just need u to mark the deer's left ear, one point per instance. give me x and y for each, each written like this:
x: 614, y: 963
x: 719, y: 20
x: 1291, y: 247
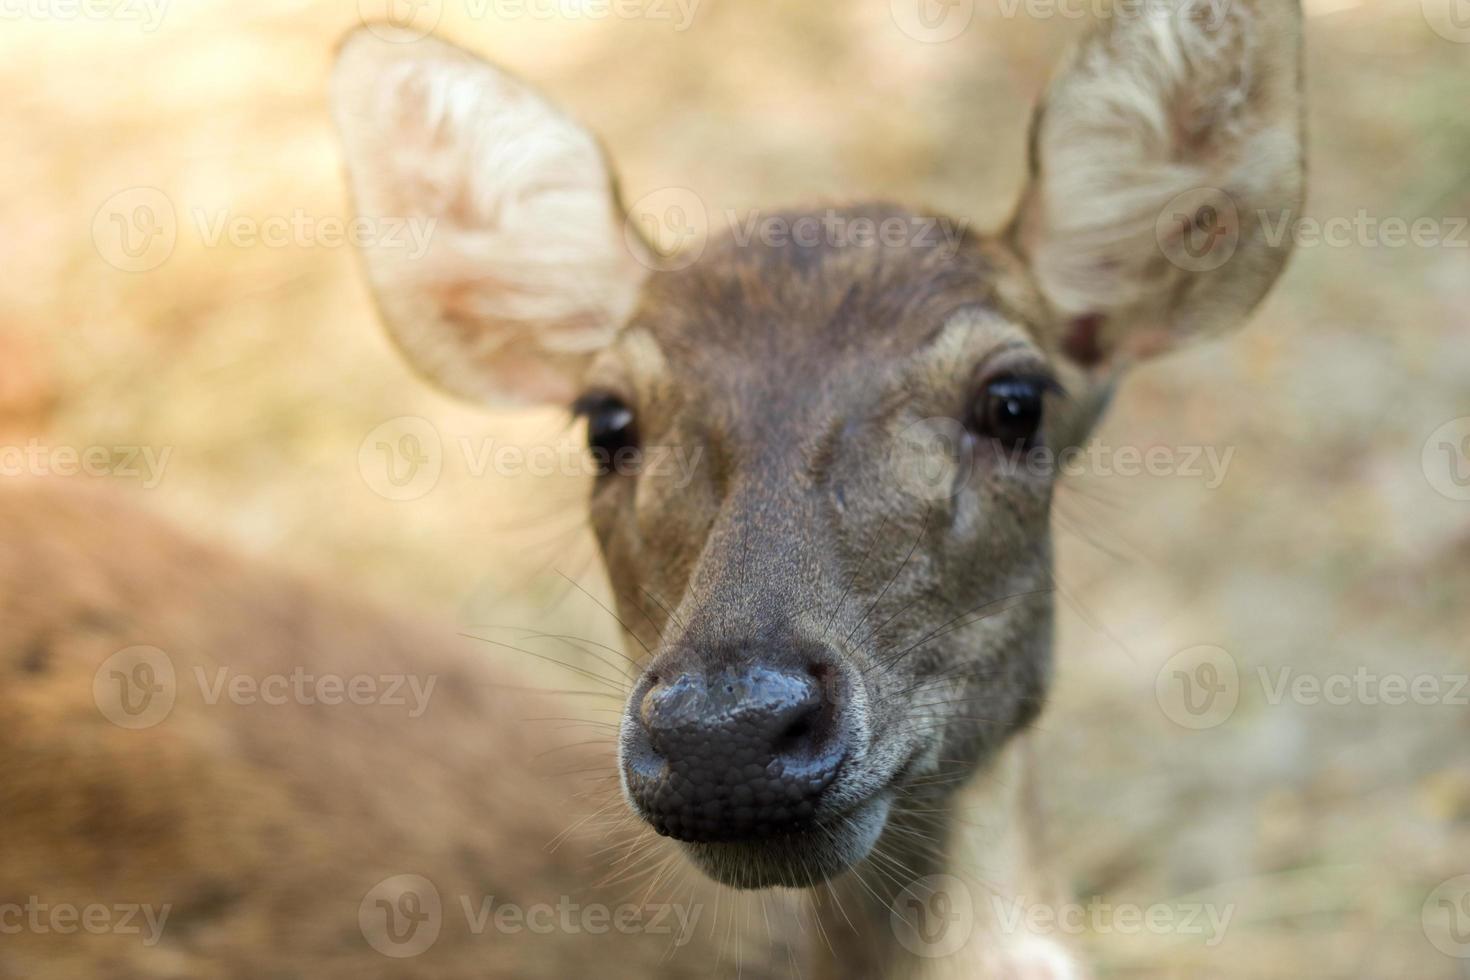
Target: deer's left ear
x: 524, y: 269
x: 1166, y: 164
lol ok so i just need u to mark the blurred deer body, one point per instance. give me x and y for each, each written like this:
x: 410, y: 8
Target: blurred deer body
x: 255, y: 828
x: 839, y: 620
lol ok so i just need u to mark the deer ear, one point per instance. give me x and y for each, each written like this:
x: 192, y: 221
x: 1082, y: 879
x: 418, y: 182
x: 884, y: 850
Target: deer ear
x: 1165, y: 160
x: 517, y: 269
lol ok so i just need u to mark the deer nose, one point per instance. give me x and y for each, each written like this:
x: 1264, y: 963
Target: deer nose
x: 733, y: 754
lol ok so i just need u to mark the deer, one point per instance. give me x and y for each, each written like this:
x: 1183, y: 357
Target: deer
x: 838, y: 631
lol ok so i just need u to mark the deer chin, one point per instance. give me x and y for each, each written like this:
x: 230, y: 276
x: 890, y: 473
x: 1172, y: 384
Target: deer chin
x: 799, y: 859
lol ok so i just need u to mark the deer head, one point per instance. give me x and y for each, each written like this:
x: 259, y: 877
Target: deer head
x: 848, y: 610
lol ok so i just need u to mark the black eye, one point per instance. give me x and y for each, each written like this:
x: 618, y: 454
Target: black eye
x: 1009, y: 410
x: 612, y: 432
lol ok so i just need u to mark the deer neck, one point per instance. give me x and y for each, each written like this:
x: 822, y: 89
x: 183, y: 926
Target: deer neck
x: 944, y: 895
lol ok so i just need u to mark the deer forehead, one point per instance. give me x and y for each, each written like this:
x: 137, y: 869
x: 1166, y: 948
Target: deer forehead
x: 815, y: 324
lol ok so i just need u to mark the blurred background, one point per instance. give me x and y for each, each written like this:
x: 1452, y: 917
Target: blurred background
x: 173, y: 291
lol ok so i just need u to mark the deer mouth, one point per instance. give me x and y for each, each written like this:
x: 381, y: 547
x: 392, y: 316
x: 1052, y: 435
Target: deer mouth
x: 800, y: 858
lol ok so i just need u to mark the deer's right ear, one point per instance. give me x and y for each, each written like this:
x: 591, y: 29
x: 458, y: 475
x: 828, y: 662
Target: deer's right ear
x: 1165, y: 160
x: 494, y: 240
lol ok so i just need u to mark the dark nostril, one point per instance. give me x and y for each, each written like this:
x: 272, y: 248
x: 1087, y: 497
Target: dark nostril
x: 799, y: 729
x: 798, y: 733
